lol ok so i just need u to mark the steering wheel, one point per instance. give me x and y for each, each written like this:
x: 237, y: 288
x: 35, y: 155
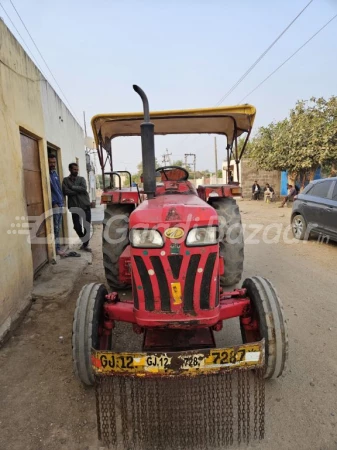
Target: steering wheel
x: 173, y: 173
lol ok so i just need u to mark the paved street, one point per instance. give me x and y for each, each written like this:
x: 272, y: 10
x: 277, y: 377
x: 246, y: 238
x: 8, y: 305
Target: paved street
x: 42, y: 405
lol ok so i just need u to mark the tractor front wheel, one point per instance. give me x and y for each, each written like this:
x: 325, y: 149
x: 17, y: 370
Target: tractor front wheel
x: 87, y: 330
x: 231, y: 242
x: 266, y: 320
x: 115, y: 239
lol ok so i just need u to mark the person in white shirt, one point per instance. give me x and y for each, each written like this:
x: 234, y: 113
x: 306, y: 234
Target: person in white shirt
x: 268, y: 192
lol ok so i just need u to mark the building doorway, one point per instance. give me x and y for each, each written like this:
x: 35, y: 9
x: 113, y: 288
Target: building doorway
x: 56, y: 152
x: 34, y: 199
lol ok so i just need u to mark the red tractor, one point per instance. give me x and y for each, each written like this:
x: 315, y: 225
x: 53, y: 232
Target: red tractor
x: 177, y: 248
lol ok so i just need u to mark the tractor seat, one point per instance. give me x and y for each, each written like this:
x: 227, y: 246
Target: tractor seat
x: 172, y: 173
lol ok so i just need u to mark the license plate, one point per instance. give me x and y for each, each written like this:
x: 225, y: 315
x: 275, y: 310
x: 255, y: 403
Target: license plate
x: 179, y: 363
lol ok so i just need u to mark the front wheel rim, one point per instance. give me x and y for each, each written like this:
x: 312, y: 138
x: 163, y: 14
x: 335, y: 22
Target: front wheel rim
x: 297, y: 227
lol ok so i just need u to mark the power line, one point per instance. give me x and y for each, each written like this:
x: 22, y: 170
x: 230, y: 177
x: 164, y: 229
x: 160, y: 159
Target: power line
x: 284, y: 62
x: 261, y: 56
x: 37, y: 48
x: 239, y: 81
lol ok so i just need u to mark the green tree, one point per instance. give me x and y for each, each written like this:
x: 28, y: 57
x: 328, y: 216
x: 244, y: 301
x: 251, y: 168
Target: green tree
x: 180, y: 163
x: 301, y: 143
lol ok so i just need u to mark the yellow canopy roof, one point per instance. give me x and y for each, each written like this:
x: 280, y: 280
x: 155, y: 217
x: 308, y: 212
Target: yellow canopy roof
x: 230, y: 121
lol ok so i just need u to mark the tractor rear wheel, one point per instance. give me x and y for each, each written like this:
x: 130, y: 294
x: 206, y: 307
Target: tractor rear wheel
x: 88, y: 318
x: 115, y: 239
x: 267, y: 313
x: 230, y: 240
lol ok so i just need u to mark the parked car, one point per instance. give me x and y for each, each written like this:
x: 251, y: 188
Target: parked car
x: 315, y: 210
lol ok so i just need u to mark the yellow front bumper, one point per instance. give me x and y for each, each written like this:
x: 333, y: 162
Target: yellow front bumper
x: 184, y: 363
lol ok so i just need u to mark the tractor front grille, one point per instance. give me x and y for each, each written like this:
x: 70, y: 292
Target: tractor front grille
x: 146, y: 283
x: 206, y: 281
x: 175, y: 262
x: 196, y: 290
x: 190, y: 282
x: 162, y: 283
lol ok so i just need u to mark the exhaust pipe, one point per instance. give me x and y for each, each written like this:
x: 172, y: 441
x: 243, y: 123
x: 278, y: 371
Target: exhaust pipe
x: 147, y: 136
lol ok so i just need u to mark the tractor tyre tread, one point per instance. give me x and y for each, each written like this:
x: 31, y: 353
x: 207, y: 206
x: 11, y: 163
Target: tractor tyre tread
x: 233, y: 253
x: 273, y: 326
x: 82, y: 334
x: 118, y: 230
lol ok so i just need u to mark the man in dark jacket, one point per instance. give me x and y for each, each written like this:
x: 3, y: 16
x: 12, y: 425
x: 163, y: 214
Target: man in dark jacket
x: 75, y: 187
x: 57, y: 202
x: 256, y: 190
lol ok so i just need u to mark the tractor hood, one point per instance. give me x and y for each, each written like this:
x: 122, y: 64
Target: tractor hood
x: 177, y: 209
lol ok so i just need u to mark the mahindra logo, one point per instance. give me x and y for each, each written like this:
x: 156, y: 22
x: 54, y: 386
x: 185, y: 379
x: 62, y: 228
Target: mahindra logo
x: 174, y: 233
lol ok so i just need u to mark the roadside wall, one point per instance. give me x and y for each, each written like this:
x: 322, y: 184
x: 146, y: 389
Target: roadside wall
x: 28, y: 104
x: 20, y: 106
x: 250, y: 173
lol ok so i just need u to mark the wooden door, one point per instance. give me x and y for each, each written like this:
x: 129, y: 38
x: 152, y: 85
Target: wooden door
x: 34, y: 198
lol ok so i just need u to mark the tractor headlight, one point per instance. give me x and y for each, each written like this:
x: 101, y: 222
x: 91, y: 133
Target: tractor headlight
x: 143, y: 238
x: 202, y: 236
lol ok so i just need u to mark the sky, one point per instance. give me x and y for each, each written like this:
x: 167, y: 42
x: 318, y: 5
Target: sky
x: 184, y: 54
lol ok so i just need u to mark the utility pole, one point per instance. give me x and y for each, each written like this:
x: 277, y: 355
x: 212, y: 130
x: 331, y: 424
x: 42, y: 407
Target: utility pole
x: 216, y: 160
x: 85, y: 125
x: 194, y: 164
x: 166, y: 157
x: 90, y: 167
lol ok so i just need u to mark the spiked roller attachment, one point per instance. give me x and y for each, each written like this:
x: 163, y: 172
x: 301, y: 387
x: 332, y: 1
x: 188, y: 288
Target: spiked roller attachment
x: 201, y: 412
x: 193, y: 399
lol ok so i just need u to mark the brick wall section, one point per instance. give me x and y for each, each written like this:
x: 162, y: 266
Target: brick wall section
x: 250, y: 173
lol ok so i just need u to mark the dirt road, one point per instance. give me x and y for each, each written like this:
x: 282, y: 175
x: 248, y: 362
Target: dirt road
x: 42, y: 405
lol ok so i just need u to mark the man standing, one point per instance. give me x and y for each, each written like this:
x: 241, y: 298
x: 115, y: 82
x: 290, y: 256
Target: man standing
x: 291, y: 194
x: 256, y: 190
x: 57, y: 202
x: 75, y: 187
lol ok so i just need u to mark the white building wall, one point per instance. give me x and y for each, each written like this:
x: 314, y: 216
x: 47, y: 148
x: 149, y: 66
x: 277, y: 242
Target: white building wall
x: 27, y: 103
x: 233, y: 171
